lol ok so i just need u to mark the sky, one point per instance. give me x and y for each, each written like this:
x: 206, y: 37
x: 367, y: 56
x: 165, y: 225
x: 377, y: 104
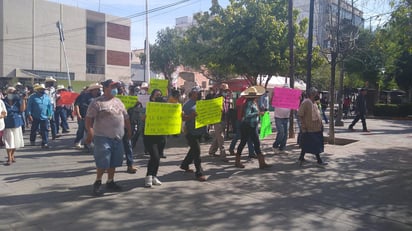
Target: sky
x: 160, y: 19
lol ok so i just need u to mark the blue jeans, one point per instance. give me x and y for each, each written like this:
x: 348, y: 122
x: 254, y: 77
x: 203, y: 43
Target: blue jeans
x: 237, y: 137
x: 80, y: 130
x: 282, y: 133
x: 61, y: 113
x: 44, y: 130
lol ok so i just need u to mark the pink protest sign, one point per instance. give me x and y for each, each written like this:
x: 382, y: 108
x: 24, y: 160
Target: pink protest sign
x: 286, y: 98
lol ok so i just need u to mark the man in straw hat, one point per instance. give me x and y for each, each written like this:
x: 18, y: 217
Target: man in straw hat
x: 248, y: 128
x: 311, y: 128
x: 39, y: 112
x: 193, y: 135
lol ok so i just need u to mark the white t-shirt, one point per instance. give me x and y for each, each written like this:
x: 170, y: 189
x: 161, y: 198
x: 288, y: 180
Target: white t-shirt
x: 2, y: 109
x: 282, y: 112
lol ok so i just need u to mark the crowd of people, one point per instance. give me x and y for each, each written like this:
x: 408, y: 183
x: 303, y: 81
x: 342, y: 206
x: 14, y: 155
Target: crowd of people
x: 97, y: 108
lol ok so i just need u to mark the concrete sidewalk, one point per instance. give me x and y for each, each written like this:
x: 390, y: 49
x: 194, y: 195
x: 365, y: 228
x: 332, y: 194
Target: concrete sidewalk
x: 366, y: 186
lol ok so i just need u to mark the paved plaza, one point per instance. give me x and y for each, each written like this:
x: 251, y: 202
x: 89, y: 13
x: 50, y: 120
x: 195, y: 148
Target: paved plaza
x: 366, y: 186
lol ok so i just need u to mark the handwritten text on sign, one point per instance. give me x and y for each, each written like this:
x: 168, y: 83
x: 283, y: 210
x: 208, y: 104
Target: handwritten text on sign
x: 286, y: 98
x: 161, y: 84
x: 163, y: 118
x: 128, y: 100
x: 208, y: 112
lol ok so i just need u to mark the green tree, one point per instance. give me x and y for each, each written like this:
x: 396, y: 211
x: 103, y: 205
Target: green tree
x: 249, y: 38
x: 396, y: 40
x: 165, y: 54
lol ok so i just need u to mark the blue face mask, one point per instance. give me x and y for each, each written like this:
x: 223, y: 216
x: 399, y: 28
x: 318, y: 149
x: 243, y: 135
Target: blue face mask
x: 114, y: 92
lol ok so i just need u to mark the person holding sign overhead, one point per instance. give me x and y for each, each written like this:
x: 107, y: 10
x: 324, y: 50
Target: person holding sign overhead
x: 193, y: 135
x: 248, y: 128
x: 155, y: 144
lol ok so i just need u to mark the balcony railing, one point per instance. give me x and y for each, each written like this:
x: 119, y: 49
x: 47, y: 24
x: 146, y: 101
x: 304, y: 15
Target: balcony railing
x: 95, y: 40
x: 94, y: 69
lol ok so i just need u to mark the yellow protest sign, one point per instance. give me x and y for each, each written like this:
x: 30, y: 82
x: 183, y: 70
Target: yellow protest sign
x: 128, y: 100
x: 163, y: 118
x: 161, y: 84
x: 208, y: 112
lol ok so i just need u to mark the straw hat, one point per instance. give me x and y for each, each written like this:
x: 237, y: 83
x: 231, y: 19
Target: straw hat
x: 37, y: 87
x: 94, y: 86
x: 60, y: 87
x: 10, y: 90
x: 50, y: 79
x: 253, y: 91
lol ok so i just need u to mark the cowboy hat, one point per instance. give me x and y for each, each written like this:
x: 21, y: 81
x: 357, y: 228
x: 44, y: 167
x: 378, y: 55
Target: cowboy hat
x: 37, y: 87
x: 60, y: 87
x: 253, y: 91
x: 94, y: 86
x: 50, y: 79
x: 10, y: 90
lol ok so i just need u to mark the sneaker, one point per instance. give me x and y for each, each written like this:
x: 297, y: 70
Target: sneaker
x: 45, y: 146
x: 156, y: 181
x: 97, y: 189
x: 163, y: 156
x: 232, y: 152
x: 201, y: 178
x: 148, y: 181
x: 365, y: 130
x: 78, y: 146
x: 112, y: 186
x: 66, y: 131
x: 131, y: 169
x: 351, y: 129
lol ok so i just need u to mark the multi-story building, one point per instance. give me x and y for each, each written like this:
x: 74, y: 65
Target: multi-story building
x: 325, y: 17
x: 97, y: 45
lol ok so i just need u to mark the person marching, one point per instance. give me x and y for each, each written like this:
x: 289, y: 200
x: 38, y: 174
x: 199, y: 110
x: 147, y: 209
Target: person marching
x: 248, y: 128
x: 311, y: 127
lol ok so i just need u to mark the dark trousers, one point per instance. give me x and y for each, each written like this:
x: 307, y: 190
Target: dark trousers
x: 194, y: 154
x: 155, y: 146
x: 128, y: 151
x: 44, y: 132
x: 53, y: 128
x: 246, y: 132
x: 81, y: 128
x: 358, y: 117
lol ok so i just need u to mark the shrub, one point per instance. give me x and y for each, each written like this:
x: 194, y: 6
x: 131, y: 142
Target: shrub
x: 396, y: 110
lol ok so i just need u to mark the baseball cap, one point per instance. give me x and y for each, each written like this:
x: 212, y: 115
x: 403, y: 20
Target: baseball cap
x: 109, y: 82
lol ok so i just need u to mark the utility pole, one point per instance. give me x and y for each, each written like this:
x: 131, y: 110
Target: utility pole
x: 310, y: 44
x: 147, y: 69
x: 291, y: 36
x: 61, y: 34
